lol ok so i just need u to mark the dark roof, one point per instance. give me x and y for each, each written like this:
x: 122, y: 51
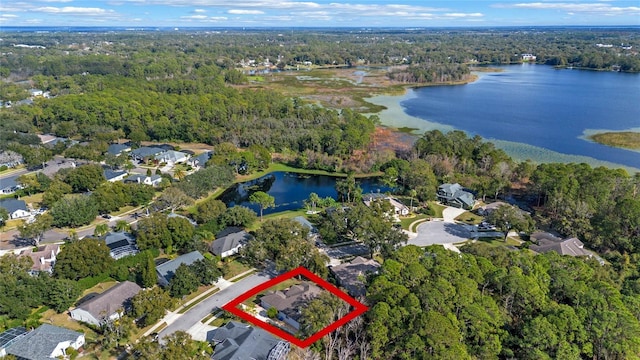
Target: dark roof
x: 146, y: 151
x: 40, y: 343
x: 112, y: 174
x: 291, y: 300
x: 10, y: 335
x: 201, y: 159
x: 229, y: 238
x: 113, y: 238
x: 9, y: 182
x: 115, y: 149
x: 571, y: 247
x: 107, y: 303
x: 237, y: 341
x: 168, y: 269
x: 348, y: 274
x: 13, y: 205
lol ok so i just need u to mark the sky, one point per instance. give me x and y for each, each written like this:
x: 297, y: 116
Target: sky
x: 317, y: 13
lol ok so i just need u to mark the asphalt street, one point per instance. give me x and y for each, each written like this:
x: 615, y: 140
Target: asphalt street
x: 192, y: 317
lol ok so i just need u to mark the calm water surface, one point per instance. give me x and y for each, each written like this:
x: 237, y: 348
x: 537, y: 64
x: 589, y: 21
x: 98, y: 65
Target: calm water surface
x: 290, y: 190
x: 540, y: 106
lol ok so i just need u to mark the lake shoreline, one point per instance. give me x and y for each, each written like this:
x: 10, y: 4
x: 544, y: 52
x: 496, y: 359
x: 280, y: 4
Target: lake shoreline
x: 394, y: 117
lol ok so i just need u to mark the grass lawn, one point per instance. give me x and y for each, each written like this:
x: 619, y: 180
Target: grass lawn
x: 124, y: 210
x: 437, y: 208
x: 35, y: 199
x: 289, y: 214
x: 499, y: 241
x: 100, y: 288
x: 469, y: 218
x: 405, y: 222
x: 191, y: 296
x: 233, y: 268
x: 64, y: 320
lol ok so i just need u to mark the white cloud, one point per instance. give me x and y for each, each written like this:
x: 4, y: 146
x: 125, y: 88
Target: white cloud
x: 71, y: 10
x: 598, y: 9
x: 7, y: 16
x: 245, y: 12
x: 55, y: 1
x: 199, y: 11
x: 464, y: 15
x: 194, y: 17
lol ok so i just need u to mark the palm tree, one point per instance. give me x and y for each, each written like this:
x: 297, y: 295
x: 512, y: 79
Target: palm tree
x: 179, y: 174
x: 100, y: 230
x: 413, y: 193
x: 122, y: 225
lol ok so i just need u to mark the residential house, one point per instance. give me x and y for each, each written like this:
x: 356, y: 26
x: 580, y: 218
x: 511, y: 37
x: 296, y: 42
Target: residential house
x: 172, y: 157
x: 486, y: 210
x: 200, y: 161
x: 45, y: 342
x: 237, y: 341
x: 8, y: 337
x: 529, y: 57
x: 10, y: 159
x: 118, y: 149
x: 290, y: 301
x: 153, y: 180
x: 43, y: 258
x: 306, y: 224
x: 546, y: 242
x: 229, y: 241
x: 351, y: 275
x: 36, y: 92
x: 114, y: 175
x: 17, y: 209
x: 9, y: 185
x: 121, y: 244
x: 399, y: 209
x: 144, y: 153
x: 167, y: 270
x: 109, y: 305
x: 454, y: 195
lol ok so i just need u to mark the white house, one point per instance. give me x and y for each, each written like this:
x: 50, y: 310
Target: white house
x: 114, y: 175
x: 172, y: 157
x: 43, y: 259
x: 45, y: 342
x: 229, y: 241
x: 153, y: 180
x: 17, y: 209
x: 399, y: 209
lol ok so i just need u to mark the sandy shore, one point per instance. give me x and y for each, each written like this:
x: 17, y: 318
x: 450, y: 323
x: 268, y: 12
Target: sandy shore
x: 395, y: 117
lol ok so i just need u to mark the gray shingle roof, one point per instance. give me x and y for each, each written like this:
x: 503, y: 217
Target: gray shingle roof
x: 110, y: 301
x: 168, y: 269
x: 291, y: 300
x: 348, y: 274
x: 115, y: 149
x: 228, y: 239
x: 112, y: 174
x: 13, y: 205
x: 237, y: 341
x: 40, y: 343
x: 571, y: 247
x: 145, y: 151
x: 9, y: 182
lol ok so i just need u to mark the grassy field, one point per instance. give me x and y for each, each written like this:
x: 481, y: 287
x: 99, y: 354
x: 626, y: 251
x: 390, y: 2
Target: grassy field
x: 469, y: 218
x: 622, y: 139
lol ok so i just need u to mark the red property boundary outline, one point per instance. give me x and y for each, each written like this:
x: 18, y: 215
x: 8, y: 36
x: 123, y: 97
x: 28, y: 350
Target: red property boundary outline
x: 359, y: 308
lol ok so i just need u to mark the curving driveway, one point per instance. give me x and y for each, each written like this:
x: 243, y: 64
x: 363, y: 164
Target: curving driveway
x: 445, y: 231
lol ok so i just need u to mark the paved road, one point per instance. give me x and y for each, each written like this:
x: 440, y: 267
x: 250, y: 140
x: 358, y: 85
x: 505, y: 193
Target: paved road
x: 192, y: 317
x: 440, y: 232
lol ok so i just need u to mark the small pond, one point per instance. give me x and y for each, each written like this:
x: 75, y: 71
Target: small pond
x: 290, y: 190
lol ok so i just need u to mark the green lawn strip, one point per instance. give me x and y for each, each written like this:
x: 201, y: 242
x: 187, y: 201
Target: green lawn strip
x: 238, y: 278
x: 233, y: 268
x: 197, y: 301
x: 201, y: 290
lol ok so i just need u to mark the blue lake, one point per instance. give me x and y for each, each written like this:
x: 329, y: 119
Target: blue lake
x: 540, y: 106
x: 290, y: 190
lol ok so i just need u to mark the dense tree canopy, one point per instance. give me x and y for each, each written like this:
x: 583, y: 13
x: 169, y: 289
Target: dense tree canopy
x: 83, y: 258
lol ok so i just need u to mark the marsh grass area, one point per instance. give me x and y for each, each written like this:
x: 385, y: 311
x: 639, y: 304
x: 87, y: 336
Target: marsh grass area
x: 334, y: 88
x: 622, y: 139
